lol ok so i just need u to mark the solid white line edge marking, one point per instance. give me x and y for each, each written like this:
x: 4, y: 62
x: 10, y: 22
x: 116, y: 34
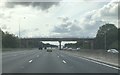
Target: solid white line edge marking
x: 100, y: 63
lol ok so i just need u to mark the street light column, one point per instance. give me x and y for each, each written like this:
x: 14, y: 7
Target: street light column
x: 105, y: 40
x: 19, y: 37
x: 60, y: 45
x: 19, y: 33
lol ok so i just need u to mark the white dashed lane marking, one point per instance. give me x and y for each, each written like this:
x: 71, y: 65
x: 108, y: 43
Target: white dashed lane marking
x: 64, y: 61
x: 30, y: 61
x: 37, y: 55
x: 22, y: 67
x: 15, y: 55
x: 62, y: 55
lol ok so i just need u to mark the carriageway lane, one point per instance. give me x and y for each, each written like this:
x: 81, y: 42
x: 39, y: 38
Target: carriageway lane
x: 41, y: 61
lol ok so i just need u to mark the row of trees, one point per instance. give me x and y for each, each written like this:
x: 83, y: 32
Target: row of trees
x: 34, y: 44
x: 12, y: 41
x: 9, y: 40
x: 106, y: 38
x: 80, y: 44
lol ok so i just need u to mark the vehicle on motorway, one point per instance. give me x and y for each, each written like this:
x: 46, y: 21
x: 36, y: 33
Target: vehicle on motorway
x: 40, y: 48
x: 78, y: 48
x: 69, y: 48
x: 113, y: 51
x: 49, y: 50
x: 65, y: 48
x: 45, y: 48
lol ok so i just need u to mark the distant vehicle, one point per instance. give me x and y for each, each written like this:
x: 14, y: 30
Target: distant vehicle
x: 113, y: 51
x: 69, y: 48
x: 78, y: 48
x: 65, y: 48
x: 45, y: 48
x: 49, y: 50
x: 40, y: 48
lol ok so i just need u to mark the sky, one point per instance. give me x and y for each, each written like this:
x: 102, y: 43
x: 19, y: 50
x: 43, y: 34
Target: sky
x: 57, y: 18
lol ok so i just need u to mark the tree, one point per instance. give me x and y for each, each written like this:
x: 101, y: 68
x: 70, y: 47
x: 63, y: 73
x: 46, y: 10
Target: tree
x: 118, y: 38
x: 106, y: 35
x: 9, y: 40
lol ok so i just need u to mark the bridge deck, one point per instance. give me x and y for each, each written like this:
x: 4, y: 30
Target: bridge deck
x: 59, y: 39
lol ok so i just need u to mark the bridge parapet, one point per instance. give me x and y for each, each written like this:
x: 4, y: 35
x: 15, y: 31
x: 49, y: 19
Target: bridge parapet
x: 59, y: 39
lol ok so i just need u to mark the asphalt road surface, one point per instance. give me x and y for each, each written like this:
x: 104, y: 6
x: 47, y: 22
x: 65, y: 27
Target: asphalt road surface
x: 41, y: 61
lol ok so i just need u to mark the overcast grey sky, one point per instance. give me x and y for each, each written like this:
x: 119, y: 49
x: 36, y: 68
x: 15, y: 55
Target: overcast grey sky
x: 68, y: 18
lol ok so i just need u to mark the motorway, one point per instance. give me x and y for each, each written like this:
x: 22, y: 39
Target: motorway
x: 41, y: 61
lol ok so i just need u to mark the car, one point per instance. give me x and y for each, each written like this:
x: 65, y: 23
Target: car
x: 113, y: 51
x: 49, y: 50
x: 78, y: 48
x: 70, y: 48
x: 45, y: 48
x: 40, y: 48
x: 65, y: 48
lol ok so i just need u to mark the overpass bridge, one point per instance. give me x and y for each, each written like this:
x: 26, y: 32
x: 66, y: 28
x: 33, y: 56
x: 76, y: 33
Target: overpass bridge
x: 91, y: 40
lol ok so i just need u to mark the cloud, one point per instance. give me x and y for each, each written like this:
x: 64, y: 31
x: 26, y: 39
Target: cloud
x: 108, y: 13
x: 80, y: 24
x: 89, y: 23
x: 36, y: 29
x: 97, y: 0
x: 67, y: 28
x: 96, y: 18
x: 64, y: 19
x: 4, y: 27
x: 28, y: 32
x: 34, y: 4
x: 110, y: 10
x: 4, y: 16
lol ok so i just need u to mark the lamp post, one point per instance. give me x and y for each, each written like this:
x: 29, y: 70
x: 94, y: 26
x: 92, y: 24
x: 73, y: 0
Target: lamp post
x: 105, y: 38
x: 19, y: 33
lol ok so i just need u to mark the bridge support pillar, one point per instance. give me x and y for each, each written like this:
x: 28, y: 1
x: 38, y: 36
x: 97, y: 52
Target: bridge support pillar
x: 26, y: 43
x: 60, y: 45
x: 92, y: 45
